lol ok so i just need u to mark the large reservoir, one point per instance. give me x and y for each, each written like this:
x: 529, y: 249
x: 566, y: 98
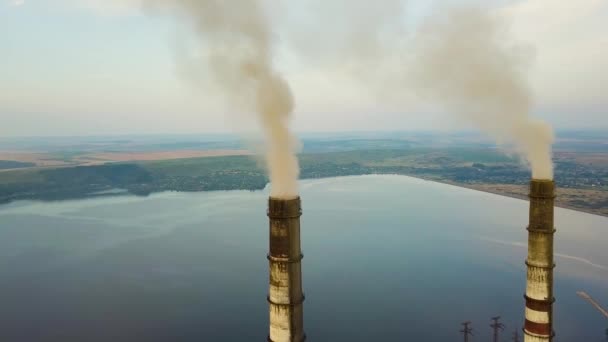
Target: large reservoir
x: 388, y: 258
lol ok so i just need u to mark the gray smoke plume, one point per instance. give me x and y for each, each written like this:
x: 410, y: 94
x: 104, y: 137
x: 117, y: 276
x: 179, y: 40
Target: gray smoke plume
x: 236, y: 48
x: 463, y: 59
x: 353, y: 40
x: 350, y: 34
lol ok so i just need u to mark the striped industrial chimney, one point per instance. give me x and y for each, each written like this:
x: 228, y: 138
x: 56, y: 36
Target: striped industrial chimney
x: 539, y: 288
x: 285, y: 296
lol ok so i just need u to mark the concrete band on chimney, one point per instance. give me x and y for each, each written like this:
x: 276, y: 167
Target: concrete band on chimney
x: 285, y: 297
x: 538, y: 324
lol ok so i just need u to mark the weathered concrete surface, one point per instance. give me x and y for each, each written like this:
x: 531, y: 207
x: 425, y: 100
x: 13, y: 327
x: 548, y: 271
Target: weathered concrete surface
x: 538, y: 324
x: 285, y: 295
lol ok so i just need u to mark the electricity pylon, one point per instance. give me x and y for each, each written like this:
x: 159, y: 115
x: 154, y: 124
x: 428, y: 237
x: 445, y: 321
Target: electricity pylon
x: 467, y: 331
x: 497, y: 326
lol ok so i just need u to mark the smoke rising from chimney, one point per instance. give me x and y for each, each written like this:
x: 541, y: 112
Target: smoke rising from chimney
x: 463, y: 59
x: 236, y: 47
x: 459, y: 57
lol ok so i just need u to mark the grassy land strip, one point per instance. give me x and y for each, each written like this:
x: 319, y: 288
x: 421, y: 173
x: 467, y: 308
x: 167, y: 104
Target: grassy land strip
x: 582, y: 186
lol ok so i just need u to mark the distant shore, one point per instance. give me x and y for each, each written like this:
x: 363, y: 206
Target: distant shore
x: 495, y: 189
x: 522, y: 196
x: 582, y: 184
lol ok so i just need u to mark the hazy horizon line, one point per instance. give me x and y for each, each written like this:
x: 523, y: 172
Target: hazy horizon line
x: 299, y: 133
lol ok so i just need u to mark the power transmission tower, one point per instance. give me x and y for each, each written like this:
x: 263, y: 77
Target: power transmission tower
x: 497, y: 326
x: 516, y: 336
x: 466, y: 331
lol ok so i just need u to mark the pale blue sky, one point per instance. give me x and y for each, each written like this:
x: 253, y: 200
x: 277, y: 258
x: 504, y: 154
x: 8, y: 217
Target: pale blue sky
x: 104, y: 67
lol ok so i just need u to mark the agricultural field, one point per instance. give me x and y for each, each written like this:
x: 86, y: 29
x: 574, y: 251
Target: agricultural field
x: 582, y: 182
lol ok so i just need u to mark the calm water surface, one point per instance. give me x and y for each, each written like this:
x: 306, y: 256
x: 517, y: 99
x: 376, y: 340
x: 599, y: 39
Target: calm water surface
x: 388, y: 258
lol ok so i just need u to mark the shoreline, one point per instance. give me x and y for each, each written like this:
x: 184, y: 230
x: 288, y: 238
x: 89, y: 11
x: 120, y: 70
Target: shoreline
x: 446, y: 182
x: 520, y: 197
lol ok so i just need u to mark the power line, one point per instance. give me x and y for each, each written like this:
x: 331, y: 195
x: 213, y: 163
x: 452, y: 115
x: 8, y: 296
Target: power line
x: 595, y: 304
x: 588, y: 298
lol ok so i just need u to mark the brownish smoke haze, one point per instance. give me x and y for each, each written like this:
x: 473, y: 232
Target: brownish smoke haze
x: 348, y: 34
x: 236, y: 49
x: 461, y: 58
x: 464, y: 60
x: 356, y: 41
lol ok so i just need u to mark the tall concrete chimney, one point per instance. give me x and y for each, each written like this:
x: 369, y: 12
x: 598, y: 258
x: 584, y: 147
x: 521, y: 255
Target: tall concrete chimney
x: 285, y: 296
x: 538, y: 325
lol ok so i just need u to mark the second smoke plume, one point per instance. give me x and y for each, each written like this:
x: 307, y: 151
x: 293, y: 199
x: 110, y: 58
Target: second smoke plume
x: 459, y: 57
x: 464, y: 61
